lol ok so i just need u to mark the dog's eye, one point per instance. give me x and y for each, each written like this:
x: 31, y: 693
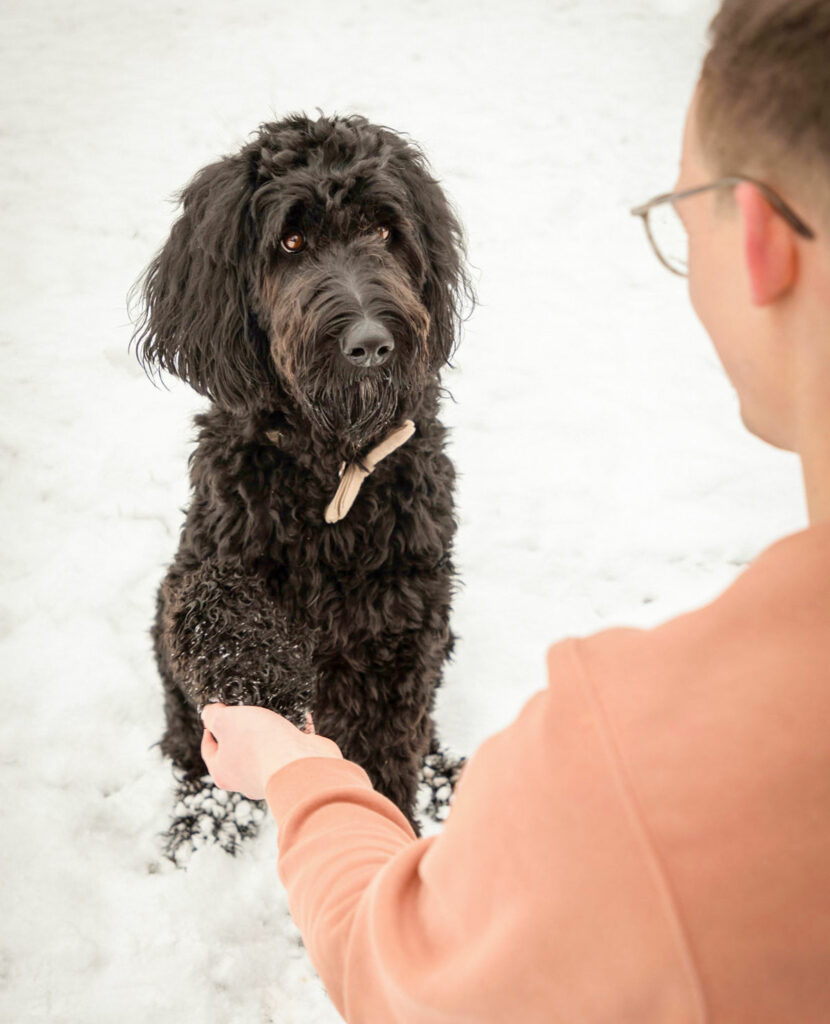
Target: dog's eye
x: 383, y: 232
x: 292, y: 242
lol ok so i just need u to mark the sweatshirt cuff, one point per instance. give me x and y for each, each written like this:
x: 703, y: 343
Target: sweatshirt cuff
x: 306, y: 777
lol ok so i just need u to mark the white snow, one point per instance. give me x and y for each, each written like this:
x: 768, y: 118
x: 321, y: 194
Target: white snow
x: 604, y: 475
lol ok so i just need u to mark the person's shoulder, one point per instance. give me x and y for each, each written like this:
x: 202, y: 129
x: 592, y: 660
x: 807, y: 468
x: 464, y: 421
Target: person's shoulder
x: 782, y: 596
x: 789, y: 577
x: 763, y: 643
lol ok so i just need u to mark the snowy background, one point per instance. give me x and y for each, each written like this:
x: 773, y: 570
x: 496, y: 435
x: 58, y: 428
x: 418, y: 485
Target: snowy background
x: 605, y: 477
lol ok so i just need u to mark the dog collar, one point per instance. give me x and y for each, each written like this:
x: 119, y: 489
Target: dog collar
x: 353, y: 474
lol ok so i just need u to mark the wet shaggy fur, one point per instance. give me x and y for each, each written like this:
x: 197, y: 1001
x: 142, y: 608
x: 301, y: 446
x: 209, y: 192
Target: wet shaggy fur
x: 265, y: 602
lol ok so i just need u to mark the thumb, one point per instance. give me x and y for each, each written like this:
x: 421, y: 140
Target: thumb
x: 208, y: 715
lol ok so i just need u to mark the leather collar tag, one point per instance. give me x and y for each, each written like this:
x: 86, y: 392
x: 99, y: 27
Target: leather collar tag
x: 353, y: 475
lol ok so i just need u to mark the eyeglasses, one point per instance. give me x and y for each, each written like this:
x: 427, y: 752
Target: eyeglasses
x: 666, y: 230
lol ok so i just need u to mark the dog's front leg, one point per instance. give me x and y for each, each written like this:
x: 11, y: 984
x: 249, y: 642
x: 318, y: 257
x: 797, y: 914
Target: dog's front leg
x: 220, y: 635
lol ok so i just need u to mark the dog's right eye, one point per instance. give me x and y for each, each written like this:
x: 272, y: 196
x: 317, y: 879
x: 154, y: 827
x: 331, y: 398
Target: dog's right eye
x: 292, y: 242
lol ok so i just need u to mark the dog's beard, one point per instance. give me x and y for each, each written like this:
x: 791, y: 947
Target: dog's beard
x: 356, y: 410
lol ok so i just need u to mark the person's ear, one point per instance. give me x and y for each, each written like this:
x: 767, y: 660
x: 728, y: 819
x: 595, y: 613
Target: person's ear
x: 770, y: 250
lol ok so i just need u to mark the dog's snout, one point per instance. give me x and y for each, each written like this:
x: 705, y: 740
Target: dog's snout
x: 367, y: 343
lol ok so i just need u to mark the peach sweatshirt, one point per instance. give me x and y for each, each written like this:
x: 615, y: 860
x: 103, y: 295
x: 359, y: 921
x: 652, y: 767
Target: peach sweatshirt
x: 648, y: 843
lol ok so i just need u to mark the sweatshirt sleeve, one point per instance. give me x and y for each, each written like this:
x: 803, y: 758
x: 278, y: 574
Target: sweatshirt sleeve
x: 539, y: 901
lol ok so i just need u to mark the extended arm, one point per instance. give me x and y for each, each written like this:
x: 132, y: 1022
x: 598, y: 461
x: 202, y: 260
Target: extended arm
x: 536, y: 903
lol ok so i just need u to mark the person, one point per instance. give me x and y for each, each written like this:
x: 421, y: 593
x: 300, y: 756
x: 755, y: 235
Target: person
x: 649, y: 841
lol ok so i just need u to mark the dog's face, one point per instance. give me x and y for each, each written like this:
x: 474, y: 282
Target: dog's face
x: 321, y: 265
x: 341, y: 270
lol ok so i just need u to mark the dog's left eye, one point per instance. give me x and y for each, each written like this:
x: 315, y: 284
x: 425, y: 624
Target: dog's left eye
x: 292, y: 242
x: 383, y: 232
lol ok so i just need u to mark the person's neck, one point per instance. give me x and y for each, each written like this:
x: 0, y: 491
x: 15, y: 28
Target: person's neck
x: 812, y: 409
x: 815, y: 466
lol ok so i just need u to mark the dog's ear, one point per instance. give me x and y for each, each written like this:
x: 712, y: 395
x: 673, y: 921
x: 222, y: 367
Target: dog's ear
x: 195, y: 319
x: 447, y: 291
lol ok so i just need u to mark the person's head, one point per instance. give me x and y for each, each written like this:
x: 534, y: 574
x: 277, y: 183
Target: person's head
x: 759, y: 283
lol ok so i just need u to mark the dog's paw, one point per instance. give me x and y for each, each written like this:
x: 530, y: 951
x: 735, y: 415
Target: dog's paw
x: 440, y: 772
x: 205, y: 815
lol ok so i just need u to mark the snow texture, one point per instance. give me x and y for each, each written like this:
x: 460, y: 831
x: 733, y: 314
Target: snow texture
x: 604, y: 475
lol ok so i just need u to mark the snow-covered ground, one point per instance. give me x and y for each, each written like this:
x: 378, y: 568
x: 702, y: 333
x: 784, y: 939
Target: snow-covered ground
x: 605, y: 478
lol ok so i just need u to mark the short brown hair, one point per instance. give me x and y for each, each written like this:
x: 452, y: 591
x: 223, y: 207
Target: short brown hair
x: 764, y: 95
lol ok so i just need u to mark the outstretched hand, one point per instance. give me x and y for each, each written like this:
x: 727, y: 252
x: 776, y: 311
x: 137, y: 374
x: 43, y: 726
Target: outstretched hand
x: 243, y: 746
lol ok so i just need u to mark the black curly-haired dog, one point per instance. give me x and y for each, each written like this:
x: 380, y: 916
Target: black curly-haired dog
x: 311, y: 289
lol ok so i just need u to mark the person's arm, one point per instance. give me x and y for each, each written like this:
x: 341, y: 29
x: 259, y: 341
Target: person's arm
x: 537, y: 902
x: 335, y: 834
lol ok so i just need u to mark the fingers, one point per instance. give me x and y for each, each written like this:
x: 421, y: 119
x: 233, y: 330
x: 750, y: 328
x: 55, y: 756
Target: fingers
x: 210, y: 714
x: 209, y: 747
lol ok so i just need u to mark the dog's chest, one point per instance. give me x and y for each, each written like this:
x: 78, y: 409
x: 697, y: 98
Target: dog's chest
x: 393, y: 542
x: 259, y: 502
x: 389, y: 555
x: 398, y: 516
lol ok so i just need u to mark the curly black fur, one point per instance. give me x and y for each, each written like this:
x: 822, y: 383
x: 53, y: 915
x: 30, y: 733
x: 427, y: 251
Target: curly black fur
x: 265, y: 602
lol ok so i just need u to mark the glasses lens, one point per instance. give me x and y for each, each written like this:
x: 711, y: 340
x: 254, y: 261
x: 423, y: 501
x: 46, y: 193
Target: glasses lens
x: 669, y: 238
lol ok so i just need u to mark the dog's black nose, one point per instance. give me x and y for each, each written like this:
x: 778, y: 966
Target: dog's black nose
x: 367, y: 343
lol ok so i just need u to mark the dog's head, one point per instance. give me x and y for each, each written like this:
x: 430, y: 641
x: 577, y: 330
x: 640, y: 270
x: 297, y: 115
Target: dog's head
x: 321, y: 265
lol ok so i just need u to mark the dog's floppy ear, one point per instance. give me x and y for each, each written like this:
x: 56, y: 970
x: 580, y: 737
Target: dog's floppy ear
x: 194, y: 320
x: 447, y: 291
